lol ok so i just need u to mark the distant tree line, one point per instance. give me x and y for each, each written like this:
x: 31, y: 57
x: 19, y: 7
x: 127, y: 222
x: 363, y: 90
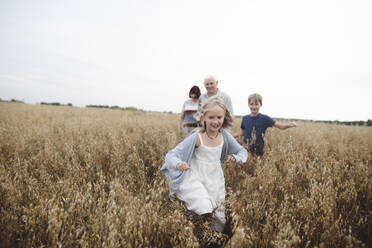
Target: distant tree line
x: 348, y: 123
x: 56, y: 104
x: 12, y: 100
x: 113, y: 107
x: 355, y: 123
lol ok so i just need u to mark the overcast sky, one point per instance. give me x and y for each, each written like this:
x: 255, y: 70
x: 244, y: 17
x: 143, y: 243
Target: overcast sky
x: 308, y: 59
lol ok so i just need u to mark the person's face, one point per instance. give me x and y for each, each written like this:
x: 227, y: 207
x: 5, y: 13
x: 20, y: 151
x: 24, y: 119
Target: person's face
x: 193, y: 96
x: 214, y: 118
x: 210, y: 85
x: 254, y: 106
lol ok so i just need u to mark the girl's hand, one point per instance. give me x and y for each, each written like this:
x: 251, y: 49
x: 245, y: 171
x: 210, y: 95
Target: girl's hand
x: 230, y: 158
x: 183, y: 166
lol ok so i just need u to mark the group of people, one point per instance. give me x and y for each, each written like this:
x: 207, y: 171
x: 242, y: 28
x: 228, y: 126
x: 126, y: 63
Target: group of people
x: 188, y: 121
x: 193, y: 167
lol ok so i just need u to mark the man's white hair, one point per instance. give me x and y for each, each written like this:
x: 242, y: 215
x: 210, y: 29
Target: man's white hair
x: 210, y: 76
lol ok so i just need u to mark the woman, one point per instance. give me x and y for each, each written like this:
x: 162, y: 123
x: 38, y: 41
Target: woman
x: 187, y: 122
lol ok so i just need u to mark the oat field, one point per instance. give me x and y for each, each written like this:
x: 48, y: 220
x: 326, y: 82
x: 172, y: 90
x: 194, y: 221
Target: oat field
x: 84, y: 177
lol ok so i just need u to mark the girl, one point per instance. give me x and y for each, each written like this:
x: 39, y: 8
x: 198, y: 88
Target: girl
x: 193, y: 167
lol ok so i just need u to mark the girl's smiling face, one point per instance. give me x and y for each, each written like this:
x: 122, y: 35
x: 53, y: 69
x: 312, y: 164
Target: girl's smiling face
x: 214, y: 118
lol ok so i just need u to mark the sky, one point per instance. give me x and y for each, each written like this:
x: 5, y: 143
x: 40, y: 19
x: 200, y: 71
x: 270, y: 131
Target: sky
x: 308, y: 59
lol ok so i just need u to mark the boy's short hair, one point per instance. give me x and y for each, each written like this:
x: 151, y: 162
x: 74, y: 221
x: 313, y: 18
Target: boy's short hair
x: 255, y: 97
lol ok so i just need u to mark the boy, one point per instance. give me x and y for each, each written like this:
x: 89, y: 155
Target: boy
x: 254, y: 125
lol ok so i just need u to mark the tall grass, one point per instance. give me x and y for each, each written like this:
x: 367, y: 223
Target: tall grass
x: 81, y: 177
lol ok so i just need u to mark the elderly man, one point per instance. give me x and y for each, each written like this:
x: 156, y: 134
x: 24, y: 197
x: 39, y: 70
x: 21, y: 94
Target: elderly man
x: 210, y: 84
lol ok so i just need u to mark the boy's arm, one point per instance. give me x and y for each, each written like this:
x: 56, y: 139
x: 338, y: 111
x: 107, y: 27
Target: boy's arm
x: 284, y: 125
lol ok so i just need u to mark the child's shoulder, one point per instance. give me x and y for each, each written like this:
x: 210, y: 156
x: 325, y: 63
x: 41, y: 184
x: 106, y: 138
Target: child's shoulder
x: 190, y: 138
x: 226, y: 134
x: 267, y: 120
x: 264, y: 115
x: 259, y: 115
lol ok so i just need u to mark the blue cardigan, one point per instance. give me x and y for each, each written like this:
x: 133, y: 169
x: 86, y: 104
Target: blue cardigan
x: 184, y: 151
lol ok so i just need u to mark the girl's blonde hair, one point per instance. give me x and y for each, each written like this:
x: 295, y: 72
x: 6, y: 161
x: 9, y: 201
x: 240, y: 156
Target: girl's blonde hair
x: 210, y: 103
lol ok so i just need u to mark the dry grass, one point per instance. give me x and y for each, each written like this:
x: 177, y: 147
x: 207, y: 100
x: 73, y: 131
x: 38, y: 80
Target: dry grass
x: 77, y: 177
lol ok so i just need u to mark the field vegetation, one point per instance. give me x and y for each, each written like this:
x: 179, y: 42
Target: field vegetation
x: 89, y: 177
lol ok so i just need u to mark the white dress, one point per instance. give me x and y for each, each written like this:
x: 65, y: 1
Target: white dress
x: 203, y: 187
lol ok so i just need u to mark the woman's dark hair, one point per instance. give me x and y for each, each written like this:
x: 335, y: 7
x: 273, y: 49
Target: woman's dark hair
x: 195, y: 90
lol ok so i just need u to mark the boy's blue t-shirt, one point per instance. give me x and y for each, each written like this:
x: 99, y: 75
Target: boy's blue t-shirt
x: 254, y: 129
